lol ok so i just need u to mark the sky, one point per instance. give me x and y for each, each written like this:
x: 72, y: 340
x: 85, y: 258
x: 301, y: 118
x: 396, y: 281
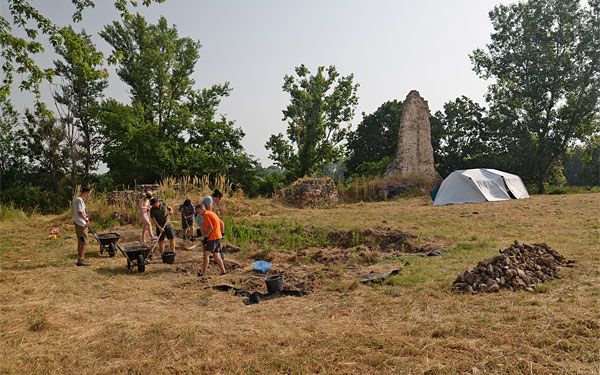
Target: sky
x: 391, y: 47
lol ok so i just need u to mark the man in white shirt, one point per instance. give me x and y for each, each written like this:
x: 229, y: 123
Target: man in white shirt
x: 81, y: 221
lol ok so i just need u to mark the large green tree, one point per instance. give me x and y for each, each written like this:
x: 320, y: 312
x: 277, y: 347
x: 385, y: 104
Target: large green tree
x: 12, y: 147
x: 322, y: 106
x: 375, y: 139
x: 544, y: 58
x: 23, y: 32
x: 82, y: 80
x: 170, y: 128
x: 465, y: 137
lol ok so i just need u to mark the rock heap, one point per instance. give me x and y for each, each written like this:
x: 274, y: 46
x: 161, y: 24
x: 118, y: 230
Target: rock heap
x: 519, y: 266
x: 311, y: 192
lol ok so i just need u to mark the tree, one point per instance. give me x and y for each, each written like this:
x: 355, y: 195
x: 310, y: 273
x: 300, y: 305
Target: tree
x: 170, y: 129
x: 12, y: 147
x: 465, y: 137
x: 375, y: 138
x: 589, y: 172
x: 545, y: 59
x: 82, y: 82
x: 19, y: 53
x: 320, y: 104
x: 157, y: 65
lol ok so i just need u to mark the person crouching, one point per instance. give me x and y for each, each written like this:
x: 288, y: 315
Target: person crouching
x: 214, y: 234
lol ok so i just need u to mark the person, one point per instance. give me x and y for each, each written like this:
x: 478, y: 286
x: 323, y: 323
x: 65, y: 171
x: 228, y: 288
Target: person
x: 207, y: 202
x: 187, y: 218
x: 82, y: 222
x: 160, y: 213
x: 212, y: 242
x: 145, y: 216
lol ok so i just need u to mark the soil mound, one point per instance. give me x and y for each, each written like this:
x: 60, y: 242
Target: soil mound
x: 379, y: 239
x: 519, y: 266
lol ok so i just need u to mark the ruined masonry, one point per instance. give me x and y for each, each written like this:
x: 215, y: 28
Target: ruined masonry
x: 311, y: 192
x: 414, y: 157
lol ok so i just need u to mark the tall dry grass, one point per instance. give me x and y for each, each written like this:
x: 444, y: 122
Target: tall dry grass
x: 172, y: 190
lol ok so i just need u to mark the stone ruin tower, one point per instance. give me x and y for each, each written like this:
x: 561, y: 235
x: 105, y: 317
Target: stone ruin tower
x: 414, y: 157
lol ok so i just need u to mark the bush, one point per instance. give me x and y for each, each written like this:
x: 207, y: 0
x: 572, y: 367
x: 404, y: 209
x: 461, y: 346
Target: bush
x: 10, y: 213
x: 36, y: 198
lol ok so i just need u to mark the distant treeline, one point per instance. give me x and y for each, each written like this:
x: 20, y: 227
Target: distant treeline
x: 542, y: 119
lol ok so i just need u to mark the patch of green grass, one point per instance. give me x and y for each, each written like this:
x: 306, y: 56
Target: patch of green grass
x: 10, y: 213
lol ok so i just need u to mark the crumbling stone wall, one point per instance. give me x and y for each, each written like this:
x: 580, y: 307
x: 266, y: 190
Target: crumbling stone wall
x: 311, y: 192
x: 124, y: 197
x: 414, y: 157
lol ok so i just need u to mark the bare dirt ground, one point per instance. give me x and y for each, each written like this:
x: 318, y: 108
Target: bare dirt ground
x: 56, y: 318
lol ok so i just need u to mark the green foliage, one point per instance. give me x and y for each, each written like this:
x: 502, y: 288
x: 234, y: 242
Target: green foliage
x: 170, y: 129
x: 320, y: 104
x: 37, y: 198
x: 18, y: 52
x: 281, y: 235
x: 8, y: 212
x: 590, y: 169
x: 374, y: 140
x: 465, y: 138
x: 12, y: 147
x: 83, y: 79
x: 268, y: 181
x: 545, y: 60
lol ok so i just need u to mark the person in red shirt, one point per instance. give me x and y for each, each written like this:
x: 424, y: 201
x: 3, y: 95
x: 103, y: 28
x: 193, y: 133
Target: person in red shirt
x: 214, y: 234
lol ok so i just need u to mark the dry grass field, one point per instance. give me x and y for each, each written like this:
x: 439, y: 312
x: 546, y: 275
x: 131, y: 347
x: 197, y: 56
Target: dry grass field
x: 56, y: 318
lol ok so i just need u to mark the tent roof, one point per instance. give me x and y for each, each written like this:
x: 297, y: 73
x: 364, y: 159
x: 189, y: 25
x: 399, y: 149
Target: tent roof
x: 479, y: 185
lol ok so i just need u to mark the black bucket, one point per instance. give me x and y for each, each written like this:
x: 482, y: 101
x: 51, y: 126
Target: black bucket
x: 168, y: 257
x: 274, y: 283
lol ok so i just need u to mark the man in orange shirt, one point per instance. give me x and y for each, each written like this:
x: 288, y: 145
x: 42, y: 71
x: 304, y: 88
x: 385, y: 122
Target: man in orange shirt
x: 214, y: 234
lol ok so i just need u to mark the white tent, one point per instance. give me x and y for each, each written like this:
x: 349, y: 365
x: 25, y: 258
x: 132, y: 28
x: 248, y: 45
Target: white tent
x: 479, y: 185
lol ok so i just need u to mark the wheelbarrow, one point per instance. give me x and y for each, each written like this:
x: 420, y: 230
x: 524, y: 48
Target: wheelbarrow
x: 107, y: 241
x: 136, y: 256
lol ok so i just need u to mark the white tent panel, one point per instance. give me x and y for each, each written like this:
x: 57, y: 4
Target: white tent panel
x: 457, y: 188
x: 513, y: 183
x: 490, y: 184
x: 479, y: 185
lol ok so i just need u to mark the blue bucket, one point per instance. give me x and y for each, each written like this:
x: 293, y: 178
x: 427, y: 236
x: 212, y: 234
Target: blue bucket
x: 261, y: 266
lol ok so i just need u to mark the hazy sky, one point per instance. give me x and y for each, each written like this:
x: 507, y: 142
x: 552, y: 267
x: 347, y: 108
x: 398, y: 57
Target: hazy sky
x: 391, y: 46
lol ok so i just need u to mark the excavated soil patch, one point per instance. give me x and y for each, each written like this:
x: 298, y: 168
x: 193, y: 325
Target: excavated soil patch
x: 320, y: 258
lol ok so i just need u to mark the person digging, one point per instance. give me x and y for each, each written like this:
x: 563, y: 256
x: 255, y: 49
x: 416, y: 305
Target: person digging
x: 160, y: 215
x: 212, y: 242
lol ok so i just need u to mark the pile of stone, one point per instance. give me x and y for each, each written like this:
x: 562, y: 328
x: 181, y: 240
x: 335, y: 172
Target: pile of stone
x: 311, y: 192
x: 520, y: 266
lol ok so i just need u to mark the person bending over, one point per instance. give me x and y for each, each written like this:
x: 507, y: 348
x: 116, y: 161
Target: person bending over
x: 160, y: 214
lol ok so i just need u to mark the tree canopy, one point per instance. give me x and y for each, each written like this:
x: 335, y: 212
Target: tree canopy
x: 321, y: 107
x: 544, y: 58
x: 19, y: 52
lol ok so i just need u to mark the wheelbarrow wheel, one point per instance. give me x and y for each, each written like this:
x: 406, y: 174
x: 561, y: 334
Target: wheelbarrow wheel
x: 112, y: 250
x: 141, y: 263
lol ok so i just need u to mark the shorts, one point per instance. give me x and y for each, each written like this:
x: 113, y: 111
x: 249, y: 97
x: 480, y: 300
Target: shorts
x: 169, y: 233
x: 187, y: 223
x: 82, y: 234
x: 214, y: 246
